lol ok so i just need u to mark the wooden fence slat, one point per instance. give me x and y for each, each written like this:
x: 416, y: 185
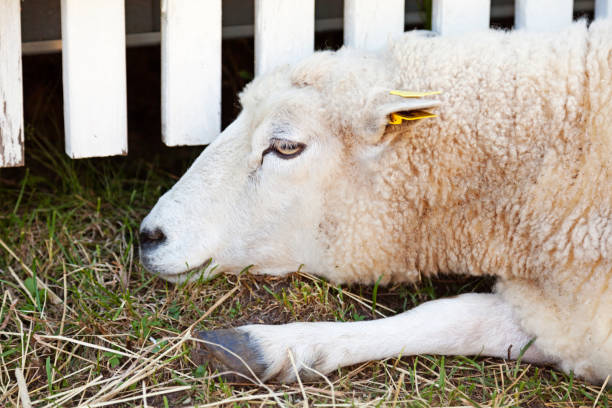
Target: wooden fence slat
x: 93, y: 57
x: 369, y: 24
x: 451, y: 17
x: 284, y: 32
x: 191, y: 71
x: 543, y: 15
x: 603, y: 8
x: 11, y: 93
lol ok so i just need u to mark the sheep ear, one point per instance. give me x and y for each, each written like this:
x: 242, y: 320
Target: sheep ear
x: 388, y: 110
x: 413, y: 106
x: 396, y: 112
x: 409, y: 109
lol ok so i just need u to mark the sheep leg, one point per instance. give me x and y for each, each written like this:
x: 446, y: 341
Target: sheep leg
x: 470, y: 324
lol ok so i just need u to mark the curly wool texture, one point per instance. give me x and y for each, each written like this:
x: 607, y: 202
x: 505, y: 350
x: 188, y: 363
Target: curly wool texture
x: 513, y: 179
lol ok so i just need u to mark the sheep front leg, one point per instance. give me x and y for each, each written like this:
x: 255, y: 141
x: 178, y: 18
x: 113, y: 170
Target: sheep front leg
x: 470, y: 324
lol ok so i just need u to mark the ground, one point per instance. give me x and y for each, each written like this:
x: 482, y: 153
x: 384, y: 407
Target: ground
x: 112, y: 334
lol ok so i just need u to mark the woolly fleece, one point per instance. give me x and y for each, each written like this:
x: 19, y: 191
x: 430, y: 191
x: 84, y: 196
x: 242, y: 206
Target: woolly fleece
x: 513, y: 179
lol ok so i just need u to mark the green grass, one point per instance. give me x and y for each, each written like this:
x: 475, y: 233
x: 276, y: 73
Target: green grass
x: 111, y: 332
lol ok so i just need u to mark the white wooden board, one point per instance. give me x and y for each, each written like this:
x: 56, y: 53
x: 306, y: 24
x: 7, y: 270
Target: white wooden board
x: 11, y: 93
x: 370, y: 24
x: 543, y: 15
x: 95, y: 113
x: 603, y: 8
x: 191, y: 71
x: 284, y: 32
x: 452, y: 17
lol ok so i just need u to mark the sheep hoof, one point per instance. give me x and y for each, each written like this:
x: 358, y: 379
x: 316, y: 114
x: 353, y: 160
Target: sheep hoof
x: 229, y: 350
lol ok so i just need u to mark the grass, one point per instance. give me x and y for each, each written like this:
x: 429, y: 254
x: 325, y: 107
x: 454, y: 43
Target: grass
x: 82, y: 323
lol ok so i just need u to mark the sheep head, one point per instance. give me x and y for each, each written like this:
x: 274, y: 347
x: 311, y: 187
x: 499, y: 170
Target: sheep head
x: 266, y: 191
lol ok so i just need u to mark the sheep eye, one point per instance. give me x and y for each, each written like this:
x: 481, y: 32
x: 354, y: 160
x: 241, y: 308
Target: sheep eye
x: 283, y: 148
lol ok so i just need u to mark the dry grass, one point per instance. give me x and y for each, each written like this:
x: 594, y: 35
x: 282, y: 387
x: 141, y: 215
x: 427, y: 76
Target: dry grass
x: 82, y: 324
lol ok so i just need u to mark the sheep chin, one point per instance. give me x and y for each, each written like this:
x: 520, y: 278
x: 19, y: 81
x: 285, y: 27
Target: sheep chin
x: 204, y: 271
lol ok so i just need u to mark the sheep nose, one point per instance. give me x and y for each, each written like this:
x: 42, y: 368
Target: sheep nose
x: 151, y: 238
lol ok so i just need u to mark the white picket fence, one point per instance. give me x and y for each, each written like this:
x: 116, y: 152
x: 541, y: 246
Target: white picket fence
x: 94, y: 76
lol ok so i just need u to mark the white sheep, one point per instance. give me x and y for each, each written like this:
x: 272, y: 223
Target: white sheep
x: 513, y: 179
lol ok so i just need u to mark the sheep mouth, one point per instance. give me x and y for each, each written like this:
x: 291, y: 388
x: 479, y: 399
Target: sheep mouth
x: 190, y: 274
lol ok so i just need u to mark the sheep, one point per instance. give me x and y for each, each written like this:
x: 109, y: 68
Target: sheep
x: 512, y: 179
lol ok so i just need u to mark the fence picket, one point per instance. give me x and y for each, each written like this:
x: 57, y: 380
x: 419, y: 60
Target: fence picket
x: 450, y: 17
x: 369, y: 24
x: 11, y: 99
x: 284, y: 32
x: 603, y: 8
x: 543, y: 15
x: 191, y: 71
x: 95, y: 113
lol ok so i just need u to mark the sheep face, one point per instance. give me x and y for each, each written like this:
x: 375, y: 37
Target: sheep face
x: 253, y: 197
x: 295, y: 180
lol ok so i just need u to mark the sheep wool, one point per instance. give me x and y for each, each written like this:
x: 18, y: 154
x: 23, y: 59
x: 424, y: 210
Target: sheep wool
x: 514, y: 179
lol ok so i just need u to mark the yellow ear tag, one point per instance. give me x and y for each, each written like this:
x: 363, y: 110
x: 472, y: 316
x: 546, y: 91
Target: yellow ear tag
x: 413, y: 94
x: 397, y: 119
